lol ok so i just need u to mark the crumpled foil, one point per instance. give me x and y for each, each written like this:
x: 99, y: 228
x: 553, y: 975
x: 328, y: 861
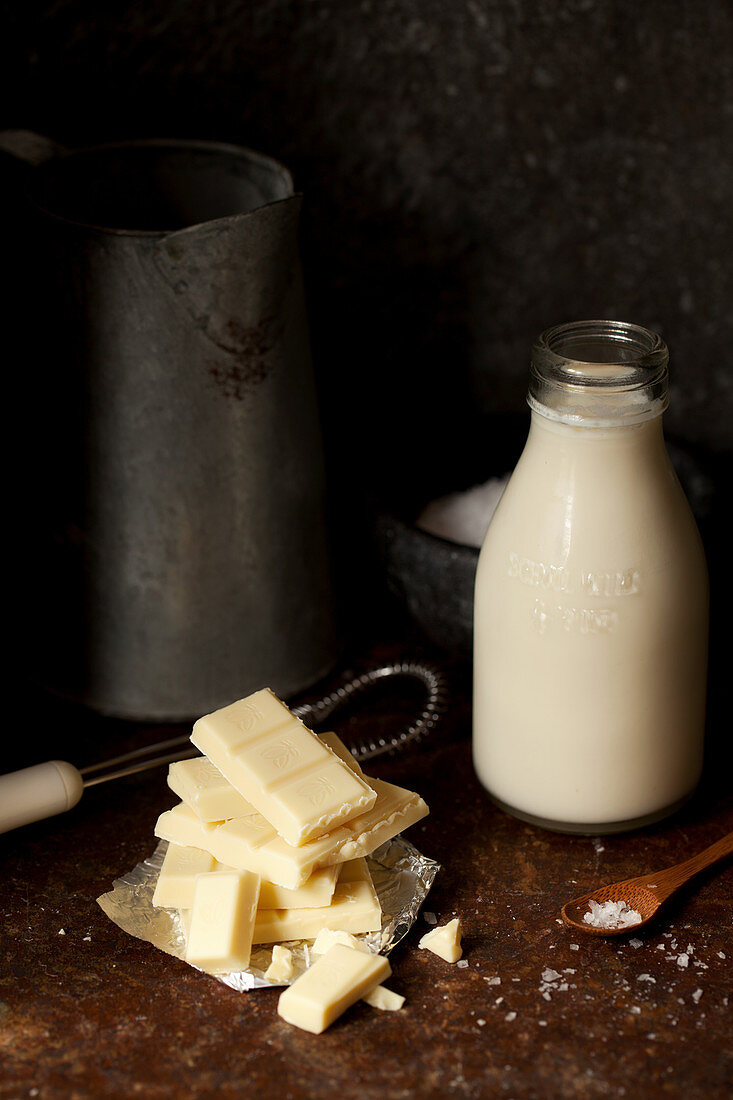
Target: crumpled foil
x: 402, y: 877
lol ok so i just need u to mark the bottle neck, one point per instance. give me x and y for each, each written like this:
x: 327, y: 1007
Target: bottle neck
x: 599, y: 375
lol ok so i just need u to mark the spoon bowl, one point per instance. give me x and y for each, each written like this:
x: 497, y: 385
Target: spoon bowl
x: 645, y: 894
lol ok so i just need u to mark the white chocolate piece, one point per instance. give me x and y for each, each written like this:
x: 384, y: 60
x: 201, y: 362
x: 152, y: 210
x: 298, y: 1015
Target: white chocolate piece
x: 354, y: 870
x: 445, y: 941
x: 315, y: 893
x: 327, y: 937
x: 201, y: 786
x: 219, y: 938
x: 252, y: 844
x: 354, y: 908
x: 335, y: 981
x: 394, y: 811
x: 383, y: 998
x: 248, y: 843
x: 281, y: 967
x: 174, y: 888
x: 288, y: 774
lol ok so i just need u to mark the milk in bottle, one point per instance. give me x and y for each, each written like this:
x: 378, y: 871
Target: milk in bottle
x: 591, y: 599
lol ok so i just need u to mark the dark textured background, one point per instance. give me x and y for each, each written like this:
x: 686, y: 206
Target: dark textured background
x: 474, y: 171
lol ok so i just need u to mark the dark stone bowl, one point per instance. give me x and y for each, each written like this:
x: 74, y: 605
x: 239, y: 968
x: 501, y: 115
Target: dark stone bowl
x: 434, y: 577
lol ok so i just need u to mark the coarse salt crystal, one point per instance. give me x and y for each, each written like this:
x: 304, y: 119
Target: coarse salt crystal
x: 575, y: 947
x: 611, y: 914
x: 62, y: 931
x: 683, y: 960
x: 493, y: 981
x: 481, y: 1023
x: 550, y: 975
x: 510, y: 1016
x: 636, y: 943
x: 697, y: 995
x: 646, y: 978
x: 430, y: 918
x: 462, y: 964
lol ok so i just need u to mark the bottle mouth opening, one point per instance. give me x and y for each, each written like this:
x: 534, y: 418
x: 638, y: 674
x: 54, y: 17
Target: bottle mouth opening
x: 600, y: 372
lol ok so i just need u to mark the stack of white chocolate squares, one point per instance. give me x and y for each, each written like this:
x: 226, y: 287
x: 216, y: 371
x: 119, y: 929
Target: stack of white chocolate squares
x: 268, y: 844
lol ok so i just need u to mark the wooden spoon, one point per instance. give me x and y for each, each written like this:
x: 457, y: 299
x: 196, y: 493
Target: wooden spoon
x: 646, y: 894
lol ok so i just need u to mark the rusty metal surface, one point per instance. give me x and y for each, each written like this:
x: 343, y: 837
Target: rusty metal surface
x: 535, y: 1013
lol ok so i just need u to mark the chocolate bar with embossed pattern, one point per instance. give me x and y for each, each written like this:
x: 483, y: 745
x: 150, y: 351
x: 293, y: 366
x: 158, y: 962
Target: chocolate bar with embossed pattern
x: 219, y: 937
x: 251, y: 842
x: 275, y: 762
x: 335, y: 981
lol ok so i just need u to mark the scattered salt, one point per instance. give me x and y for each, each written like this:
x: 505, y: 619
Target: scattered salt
x: 464, y: 517
x: 550, y: 975
x: 493, y: 981
x: 575, y: 947
x: 683, y: 960
x: 430, y: 918
x: 646, y: 978
x: 62, y: 931
x: 481, y: 1023
x: 636, y: 1010
x: 542, y: 1023
x: 87, y: 939
x: 611, y: 914
x: 462, y: 964
x: 636, y: 943
x: 697, y: 995
x: 510, y: 1016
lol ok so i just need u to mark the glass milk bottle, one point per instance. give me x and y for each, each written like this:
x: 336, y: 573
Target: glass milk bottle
x: 591, y: 600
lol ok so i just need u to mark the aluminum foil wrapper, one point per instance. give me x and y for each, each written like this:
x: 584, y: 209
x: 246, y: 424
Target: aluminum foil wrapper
x: 402, y: 877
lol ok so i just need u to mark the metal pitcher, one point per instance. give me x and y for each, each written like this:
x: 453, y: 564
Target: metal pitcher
x: 175, y: 549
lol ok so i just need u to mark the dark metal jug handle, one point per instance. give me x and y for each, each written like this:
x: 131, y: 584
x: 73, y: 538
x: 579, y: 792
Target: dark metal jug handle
x: 27, y: 146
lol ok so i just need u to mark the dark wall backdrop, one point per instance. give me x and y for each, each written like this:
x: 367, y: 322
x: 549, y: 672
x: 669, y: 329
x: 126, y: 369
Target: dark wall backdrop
x: 473, y: 171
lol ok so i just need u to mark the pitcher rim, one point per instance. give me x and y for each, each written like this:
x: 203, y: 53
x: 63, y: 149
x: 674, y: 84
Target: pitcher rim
x: 203, y: 144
